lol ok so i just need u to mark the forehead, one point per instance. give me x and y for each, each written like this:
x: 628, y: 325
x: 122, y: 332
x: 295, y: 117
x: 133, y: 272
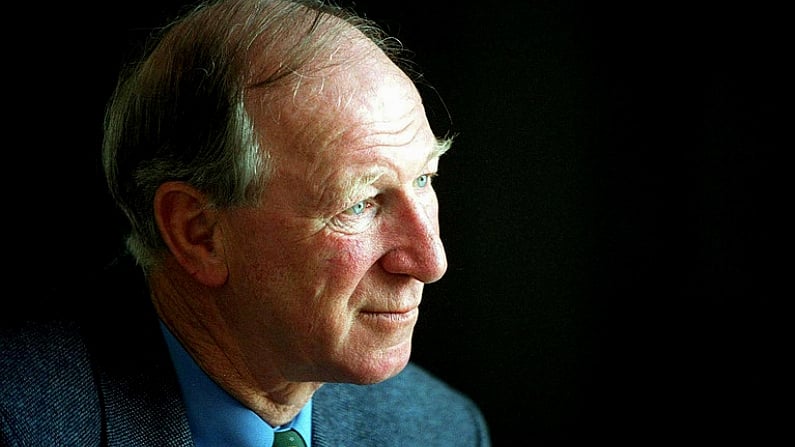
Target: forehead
x: 351, y: 97
x: 355, y: 123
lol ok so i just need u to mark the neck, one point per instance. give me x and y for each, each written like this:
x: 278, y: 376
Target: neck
x: 205, y: 335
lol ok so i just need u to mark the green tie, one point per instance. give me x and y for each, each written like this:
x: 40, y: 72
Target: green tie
x: 288, y: 438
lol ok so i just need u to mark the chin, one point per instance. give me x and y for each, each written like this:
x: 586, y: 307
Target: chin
x: 380, y: 365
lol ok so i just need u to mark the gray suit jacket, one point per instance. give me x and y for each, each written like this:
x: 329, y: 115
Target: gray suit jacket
x: 109, y: 382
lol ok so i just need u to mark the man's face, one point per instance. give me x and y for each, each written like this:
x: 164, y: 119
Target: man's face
x: 326, y: 276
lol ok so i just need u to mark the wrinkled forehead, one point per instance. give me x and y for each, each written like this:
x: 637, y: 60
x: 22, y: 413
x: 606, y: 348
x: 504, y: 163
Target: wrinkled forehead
x: 344, y: 85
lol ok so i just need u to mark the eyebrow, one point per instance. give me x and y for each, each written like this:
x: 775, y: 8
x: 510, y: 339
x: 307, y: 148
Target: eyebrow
x: 355, y: 187
x: 441, y: 146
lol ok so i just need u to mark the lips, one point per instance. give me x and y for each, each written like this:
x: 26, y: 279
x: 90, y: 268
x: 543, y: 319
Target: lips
x: 400, y: 317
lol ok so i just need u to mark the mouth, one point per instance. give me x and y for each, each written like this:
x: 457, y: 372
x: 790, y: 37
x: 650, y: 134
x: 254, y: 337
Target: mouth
x: 392, y: 318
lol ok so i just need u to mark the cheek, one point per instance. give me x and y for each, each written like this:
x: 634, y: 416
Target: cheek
x: 338, y: 286
x: 347, y: 259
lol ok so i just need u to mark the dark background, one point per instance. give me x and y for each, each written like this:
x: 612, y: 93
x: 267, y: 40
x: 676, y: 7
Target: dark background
x: 613, y: 208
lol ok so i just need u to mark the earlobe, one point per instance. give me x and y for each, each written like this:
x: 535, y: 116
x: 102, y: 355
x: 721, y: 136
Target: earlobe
x: 190, y: 228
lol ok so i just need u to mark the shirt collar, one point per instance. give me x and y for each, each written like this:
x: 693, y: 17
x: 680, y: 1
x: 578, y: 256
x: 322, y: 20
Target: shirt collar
x: 215, y: 417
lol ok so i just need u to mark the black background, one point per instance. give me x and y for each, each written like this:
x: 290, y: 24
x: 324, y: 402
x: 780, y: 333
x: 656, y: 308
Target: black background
x: 613, y: 208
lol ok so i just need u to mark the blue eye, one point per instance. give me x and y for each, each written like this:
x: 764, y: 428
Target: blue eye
x: 422, y: 181
x: 358, y: 208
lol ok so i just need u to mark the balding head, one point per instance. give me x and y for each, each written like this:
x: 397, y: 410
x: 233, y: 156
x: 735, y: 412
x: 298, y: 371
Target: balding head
x: 180, y: 114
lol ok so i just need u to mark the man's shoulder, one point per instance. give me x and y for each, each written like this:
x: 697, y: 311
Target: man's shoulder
x: 421, y: 385
x: 43, y: 341
x: 415, y: 405
x: 40, y: 357
x: 45, y: 373
x: 414, y: 384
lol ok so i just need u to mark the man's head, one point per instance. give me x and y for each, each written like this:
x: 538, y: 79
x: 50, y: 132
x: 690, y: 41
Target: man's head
x: 274, y: 154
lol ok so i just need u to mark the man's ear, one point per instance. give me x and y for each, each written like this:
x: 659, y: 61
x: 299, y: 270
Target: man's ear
x: 190, y: 228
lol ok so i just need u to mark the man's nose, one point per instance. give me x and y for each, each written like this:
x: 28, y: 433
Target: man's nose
x: 417, y: 249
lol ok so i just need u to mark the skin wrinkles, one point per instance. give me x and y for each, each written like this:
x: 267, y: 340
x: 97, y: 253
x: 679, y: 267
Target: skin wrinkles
x: 336, y: 190
x: 351, y: 184
x: 363, y: 133
x: 328, y: 305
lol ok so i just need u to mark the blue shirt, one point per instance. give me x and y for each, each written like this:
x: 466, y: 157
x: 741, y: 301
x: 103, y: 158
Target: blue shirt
x: 218, y: 419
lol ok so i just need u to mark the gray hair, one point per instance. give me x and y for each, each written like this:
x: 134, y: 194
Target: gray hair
x: 179, y: 114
